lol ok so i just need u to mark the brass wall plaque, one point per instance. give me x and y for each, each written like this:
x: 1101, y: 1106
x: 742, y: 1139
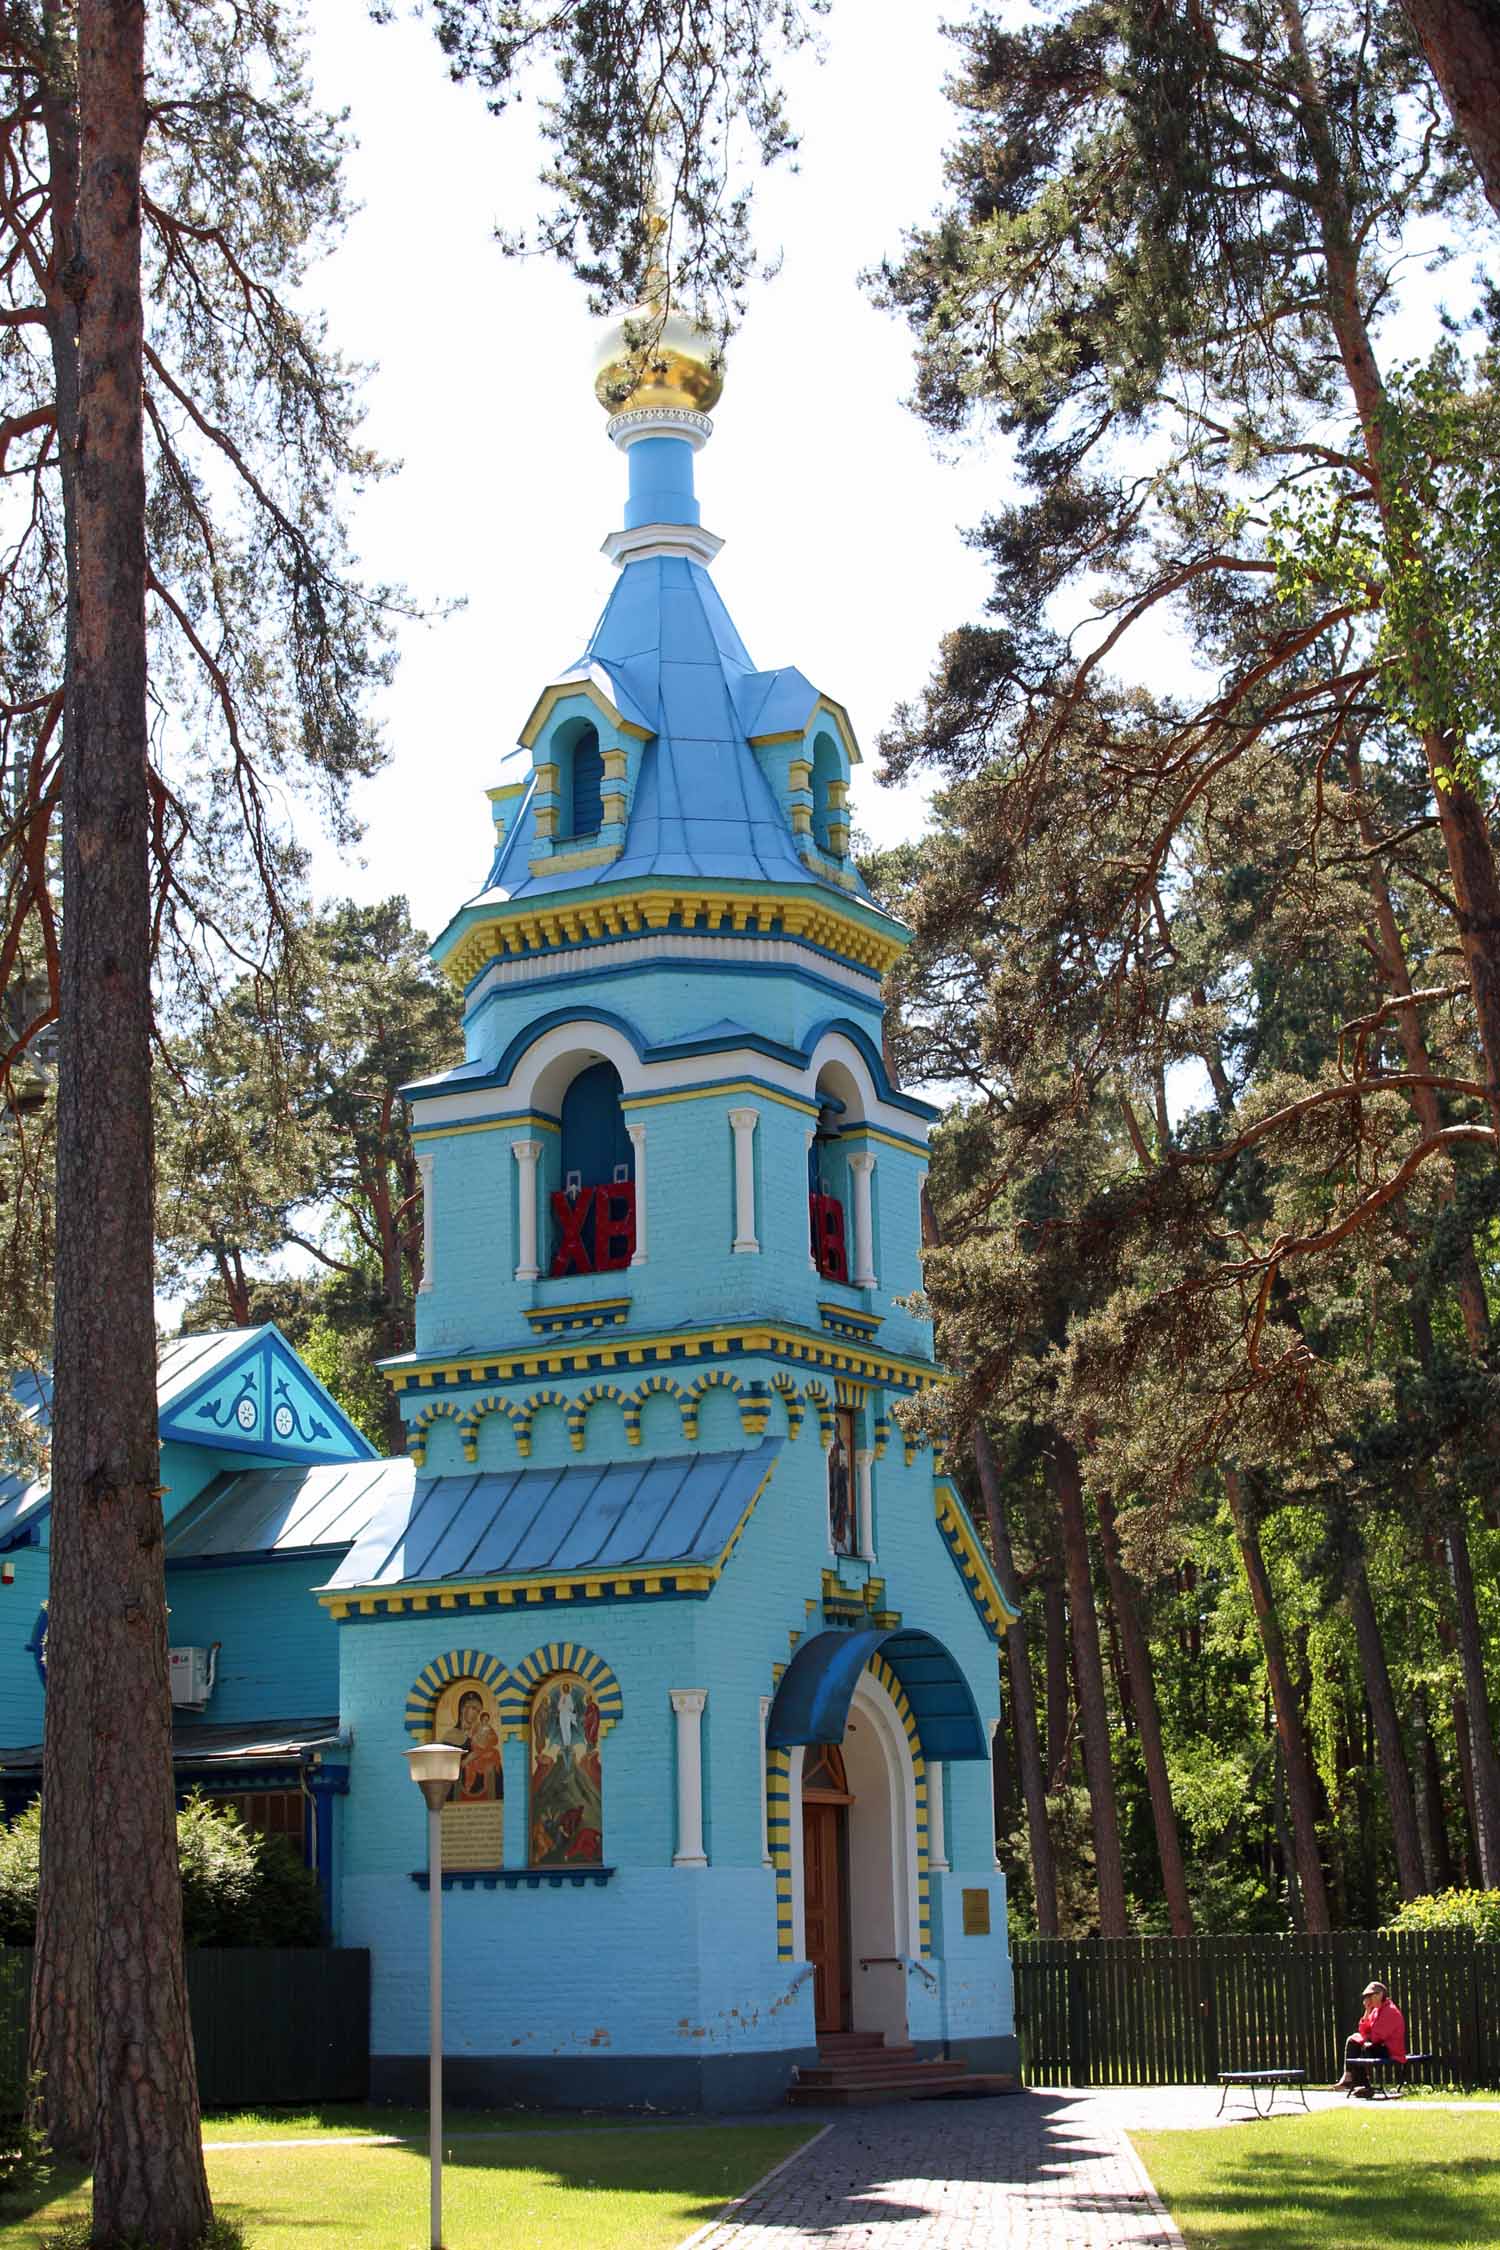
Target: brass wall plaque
x: 976, y: 1913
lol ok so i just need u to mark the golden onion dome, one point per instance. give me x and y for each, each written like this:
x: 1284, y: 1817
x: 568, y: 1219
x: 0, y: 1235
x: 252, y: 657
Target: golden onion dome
x: 657, y: 358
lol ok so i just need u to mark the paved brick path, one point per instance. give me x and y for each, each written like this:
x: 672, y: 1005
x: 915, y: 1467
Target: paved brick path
x: 1040, y: 2171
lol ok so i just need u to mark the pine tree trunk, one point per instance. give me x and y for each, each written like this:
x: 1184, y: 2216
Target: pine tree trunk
x: 1484, y: 1775
x: 1065, y: 1482
x: 61, y: 2052
x: 1461, y: 817
x: 108, y: 1753
x: 1390, y: 950
x: 1394, y: 1771
x: 1294, y: 1762
x: 1286, y: 1844
x: 1461, y: 40
x: 1147, y: 1718
x: 1059, y: 1678
x: 1470, y: 1831
x: 1432, y: 1819
x: 1022, y: 1693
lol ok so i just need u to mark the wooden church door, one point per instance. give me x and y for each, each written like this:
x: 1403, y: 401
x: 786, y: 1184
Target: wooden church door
x: 825, y: 1883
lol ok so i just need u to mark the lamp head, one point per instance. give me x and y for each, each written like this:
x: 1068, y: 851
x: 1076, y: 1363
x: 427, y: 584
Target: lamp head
x: 434, y: 1768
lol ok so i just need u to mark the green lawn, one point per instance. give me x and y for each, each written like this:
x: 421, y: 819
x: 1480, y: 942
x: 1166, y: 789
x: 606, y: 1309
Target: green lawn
x: 347, y: 2118
x: 555, y: 2190
x: 1385, y: 2173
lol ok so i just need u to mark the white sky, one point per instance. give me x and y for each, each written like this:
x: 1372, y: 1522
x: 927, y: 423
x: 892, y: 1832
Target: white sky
x: 844, y: 552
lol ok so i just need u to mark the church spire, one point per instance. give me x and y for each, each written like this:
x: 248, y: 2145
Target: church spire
x: 657, y: 375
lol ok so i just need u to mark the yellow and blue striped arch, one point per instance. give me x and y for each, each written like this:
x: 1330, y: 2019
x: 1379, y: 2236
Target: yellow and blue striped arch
x: 457, y: 1664
x: 541, y: 1664
x: 779, y: 1820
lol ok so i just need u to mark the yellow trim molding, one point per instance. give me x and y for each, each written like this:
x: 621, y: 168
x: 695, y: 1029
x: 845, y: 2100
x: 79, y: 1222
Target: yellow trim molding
x: 523, y: 929
x: 589, y: 1355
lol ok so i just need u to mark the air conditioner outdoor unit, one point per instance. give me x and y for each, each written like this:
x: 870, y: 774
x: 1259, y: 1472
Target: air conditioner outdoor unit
x: 190, y: 1672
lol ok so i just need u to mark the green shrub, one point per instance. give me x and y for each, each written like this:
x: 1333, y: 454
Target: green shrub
x: 238, y: 1888
x: 20, y: 1873
x: 78, y: 2234
x: 1476, y: 1911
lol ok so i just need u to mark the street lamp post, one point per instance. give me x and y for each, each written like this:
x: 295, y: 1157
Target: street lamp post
x: 434, y: 1768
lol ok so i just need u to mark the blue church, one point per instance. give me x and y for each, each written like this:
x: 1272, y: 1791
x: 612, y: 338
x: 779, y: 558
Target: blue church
x: 716, y: 1637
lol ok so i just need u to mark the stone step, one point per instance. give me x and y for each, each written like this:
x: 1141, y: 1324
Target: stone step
x: 857, y: 2073
x: 883, y: 2075
x: 957, y: 2087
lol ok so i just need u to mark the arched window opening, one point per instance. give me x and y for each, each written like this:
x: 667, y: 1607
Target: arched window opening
x: 828, y: 769
x: 587, y: 785
x: 826, y: 1183
x: 565, y: 1801
x: 843, y: 1527
x: 594, y: 1209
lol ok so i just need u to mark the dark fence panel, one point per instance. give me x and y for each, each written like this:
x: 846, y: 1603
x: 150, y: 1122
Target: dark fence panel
x: 1176, y: 2011
x: 270, y: 2024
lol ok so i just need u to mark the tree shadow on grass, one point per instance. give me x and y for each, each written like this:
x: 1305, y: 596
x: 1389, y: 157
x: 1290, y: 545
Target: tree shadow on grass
x: 1273, y: 2201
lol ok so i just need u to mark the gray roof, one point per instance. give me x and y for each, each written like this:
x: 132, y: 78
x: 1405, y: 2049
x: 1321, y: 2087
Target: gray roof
x: 283, y: 1511
x: 181, y: 1362
x: 247, y: 1743
x: 615, y: 1515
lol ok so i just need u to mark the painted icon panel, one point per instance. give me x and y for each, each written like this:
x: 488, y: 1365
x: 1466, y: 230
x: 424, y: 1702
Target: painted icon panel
x: 474, y: 1816
x: 567, y: 1808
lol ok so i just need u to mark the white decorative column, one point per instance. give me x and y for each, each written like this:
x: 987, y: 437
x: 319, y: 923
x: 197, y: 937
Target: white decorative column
x: 424, y: 1173
x: 811, y: 1253
x: 765, y: 1810
x: 743, y: 1123
x: 995, y: 1725
x: 861, y: 1165
x: 864, y: 1519
x: 688, y: 1704
x: 638, y: 1143
x: 937, y: 1840
x: 526, y: 1154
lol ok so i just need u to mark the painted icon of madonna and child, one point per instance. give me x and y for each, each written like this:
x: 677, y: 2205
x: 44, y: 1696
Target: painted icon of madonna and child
x: 471, y: 1728
x: 567, y: 1811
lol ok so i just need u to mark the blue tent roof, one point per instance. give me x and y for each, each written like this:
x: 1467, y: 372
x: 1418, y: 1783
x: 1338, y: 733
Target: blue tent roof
x: 618, y: 1515
x: 702, y: 808
x: 817, y: 1688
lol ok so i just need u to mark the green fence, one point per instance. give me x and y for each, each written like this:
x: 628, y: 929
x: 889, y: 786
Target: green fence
x: 270, y: 2024
x: 1163, y: 2011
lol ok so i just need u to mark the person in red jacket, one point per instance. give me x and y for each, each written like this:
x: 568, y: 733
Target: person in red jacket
x: 1381, y: 2037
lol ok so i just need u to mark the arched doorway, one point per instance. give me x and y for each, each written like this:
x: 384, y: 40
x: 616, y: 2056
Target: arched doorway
x: 858, y: 1860
x: 826, y: 1802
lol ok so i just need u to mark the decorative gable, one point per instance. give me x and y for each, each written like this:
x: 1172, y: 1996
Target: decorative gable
x: 262, y: 1400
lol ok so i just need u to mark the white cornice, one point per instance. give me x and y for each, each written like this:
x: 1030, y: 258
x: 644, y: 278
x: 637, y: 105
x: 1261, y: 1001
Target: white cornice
x: 671, y: 945
x: 647, y: 539
x: 640, y: 422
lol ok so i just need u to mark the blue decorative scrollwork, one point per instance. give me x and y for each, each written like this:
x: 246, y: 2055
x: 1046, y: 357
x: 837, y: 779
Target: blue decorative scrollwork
x: 38, y: 1642
x: 288, y: 1422
x: 241, y: 1410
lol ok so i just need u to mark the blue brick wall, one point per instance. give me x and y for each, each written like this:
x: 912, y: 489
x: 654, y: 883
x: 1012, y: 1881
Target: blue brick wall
x: 663, y: 1961
x: 279, y: 1658
x: 20, y: 1682
x: 691, y: 1273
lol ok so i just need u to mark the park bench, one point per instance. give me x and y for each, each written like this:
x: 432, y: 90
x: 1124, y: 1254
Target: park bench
x: 1274, y: 2081
x: 1388, y: 2080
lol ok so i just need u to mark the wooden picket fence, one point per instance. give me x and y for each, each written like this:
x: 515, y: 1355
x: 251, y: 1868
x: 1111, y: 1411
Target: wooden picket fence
x: 270, y: 2024
x: 1162, y: 2011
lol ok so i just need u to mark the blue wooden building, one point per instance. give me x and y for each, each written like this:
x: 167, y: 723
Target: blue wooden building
x: 716, y: 1637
